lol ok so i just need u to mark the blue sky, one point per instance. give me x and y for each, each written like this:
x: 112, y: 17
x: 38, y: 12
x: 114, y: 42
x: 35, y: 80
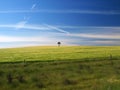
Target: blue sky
x: 72, y: 22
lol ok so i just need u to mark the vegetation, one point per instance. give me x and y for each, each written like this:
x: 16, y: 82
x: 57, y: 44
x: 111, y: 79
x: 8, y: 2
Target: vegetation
x: 60, y: 68
x: 59, y: 43
x: 62, y: 53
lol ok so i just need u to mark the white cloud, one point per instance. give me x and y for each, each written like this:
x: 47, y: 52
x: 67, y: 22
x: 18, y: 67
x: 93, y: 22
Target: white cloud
x: 57, y: 29
x: 90, y: 27
x: 87, y: 35
x: 33, y: 6
x: 24, y: 25
x: 103, y: 43
x: 22, y: 39
x: 96, y: 36
x: 63, y: 32
x: 21, y: 24
x: 26, y: 18
x: 42, y: 40
x: 61, y: 11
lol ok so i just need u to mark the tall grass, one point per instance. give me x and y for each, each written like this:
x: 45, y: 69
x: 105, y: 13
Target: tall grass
x: 68, y: 75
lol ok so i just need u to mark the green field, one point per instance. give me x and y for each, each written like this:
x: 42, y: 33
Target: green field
x: 56, y: 53
x: 60, y: 68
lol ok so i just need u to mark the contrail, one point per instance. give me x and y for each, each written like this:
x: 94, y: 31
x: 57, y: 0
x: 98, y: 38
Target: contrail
x: 24, y: 26
x: 33, y: 6
x: 112, y: 12
x: 57, y: 29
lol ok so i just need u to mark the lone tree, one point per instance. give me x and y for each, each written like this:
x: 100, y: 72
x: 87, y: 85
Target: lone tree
x: 59, y: 43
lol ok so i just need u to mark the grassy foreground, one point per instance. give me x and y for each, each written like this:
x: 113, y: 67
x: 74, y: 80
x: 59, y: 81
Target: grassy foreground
x: 59, y: 53
x: 64, y: 68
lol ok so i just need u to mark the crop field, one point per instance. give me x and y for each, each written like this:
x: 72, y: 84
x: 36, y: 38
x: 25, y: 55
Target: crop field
x: 60, y: 68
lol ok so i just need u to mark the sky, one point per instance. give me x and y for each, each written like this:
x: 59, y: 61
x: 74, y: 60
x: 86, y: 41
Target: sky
x: 71, y: 22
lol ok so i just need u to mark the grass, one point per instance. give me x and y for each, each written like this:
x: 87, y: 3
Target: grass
x: 62, y: 53
x: 64, y: 68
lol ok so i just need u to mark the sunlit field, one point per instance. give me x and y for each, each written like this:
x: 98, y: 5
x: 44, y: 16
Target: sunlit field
x: 60, y: 68
x: 59, y: 53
